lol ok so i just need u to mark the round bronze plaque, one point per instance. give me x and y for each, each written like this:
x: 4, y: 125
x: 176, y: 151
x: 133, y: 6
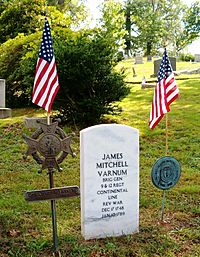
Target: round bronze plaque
x: 165, y: 172
x: 49, y: 145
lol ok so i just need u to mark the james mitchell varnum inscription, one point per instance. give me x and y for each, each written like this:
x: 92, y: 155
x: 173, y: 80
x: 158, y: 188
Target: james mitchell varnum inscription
x: 112, y: 183
x: 109, y: 180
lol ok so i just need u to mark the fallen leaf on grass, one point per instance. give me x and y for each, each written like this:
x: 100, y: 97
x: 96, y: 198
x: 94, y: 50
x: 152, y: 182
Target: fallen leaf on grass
x: 33, y: 233
x: 13, y: 233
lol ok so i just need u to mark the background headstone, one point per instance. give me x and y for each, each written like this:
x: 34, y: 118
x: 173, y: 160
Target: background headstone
x: 2, y: 93
x: 138, y: 60
x: 34, y: 122
x: 4, y: 112
x: 109, y: 181
x: 157, y: 65
x: 149, y: 58
x: 197, y: 57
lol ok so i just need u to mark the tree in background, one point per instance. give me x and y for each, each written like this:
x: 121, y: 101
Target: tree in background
x: 191, y: 30
x: 153, y: 23
x: 127, y: 37
x: 112, y: 23
x: 75, y: 9
x: 20, y: 17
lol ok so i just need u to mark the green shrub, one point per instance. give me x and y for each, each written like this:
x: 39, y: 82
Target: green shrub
x: 88, y: 83
x: 20, y: 17
x: 120, y: 56
x: 187, y: 57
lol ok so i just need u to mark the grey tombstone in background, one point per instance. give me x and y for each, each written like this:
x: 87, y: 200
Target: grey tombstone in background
x: 2, y: 93
x: 197, y: 57
x: 109, y: 181
x: 149, y: 58
x: 138, y: 60
x: 157, y: 65
x: 35, y: 122
x: 4, y: 112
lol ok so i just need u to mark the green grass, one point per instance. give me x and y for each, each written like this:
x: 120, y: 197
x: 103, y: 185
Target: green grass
x: 25, y: 228
x: 147, y: 69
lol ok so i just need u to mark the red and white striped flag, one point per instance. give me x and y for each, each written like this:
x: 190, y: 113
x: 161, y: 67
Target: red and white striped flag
x: 46, y: 83
x: 166, y: 91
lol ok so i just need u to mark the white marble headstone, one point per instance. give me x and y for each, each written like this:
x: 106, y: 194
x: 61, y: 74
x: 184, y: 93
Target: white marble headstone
x: 2, y: 93
x: 109, y: 181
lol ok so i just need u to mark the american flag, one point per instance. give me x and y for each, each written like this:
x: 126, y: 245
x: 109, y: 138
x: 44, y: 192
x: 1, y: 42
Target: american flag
x: 166, y: 91
x: 46, y: 83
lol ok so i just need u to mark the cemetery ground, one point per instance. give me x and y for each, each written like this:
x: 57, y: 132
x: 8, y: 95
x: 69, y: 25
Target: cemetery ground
x: 25, y: 228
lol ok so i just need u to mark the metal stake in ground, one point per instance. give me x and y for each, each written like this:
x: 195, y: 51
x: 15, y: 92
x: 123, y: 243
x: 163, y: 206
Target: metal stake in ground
x: 49, y: 146
x: 53, y: 213
x: 52, y: 194
x: 53, y: 205
x: 165, y: 174
x: 163, y: 205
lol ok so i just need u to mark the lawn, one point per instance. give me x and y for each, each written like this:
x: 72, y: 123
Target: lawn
x: 147, y: 69
x: 25, y: 228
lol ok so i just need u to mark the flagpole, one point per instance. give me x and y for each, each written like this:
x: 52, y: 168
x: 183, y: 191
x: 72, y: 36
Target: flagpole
x: 166, y: 134
x: 44, y: 97
x: 48, y: 118
x: 166, y: 153
x: 163, y: 205
x: 53, y: 203
x: 171, y: 92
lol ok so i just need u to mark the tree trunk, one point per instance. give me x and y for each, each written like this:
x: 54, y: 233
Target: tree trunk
x: 149, y: 46
x: 128, y: 37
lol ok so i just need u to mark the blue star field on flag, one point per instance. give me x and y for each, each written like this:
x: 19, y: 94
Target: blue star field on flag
x: 46, y: 48
x: 165, y: 67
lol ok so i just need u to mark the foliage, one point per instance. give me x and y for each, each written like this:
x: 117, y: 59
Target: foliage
x: 23, y: 17
x: 112, y: 23
x: 89, y: 85
x: 191, y: 30
x: 14, y: 68
x: 192, y: 19
x: 20, y: 17
x: 186, y: 57
x: 146, y: 27
x: 152, y: 24
x: 86, y: 59
x: 73, y: 9
x: 25, y: 228
x: 85, y: 66
x: 2, y: 6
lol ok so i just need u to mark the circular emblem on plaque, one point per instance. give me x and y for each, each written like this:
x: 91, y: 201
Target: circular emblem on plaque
x: 49, y: 145
x: 165, y: 172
